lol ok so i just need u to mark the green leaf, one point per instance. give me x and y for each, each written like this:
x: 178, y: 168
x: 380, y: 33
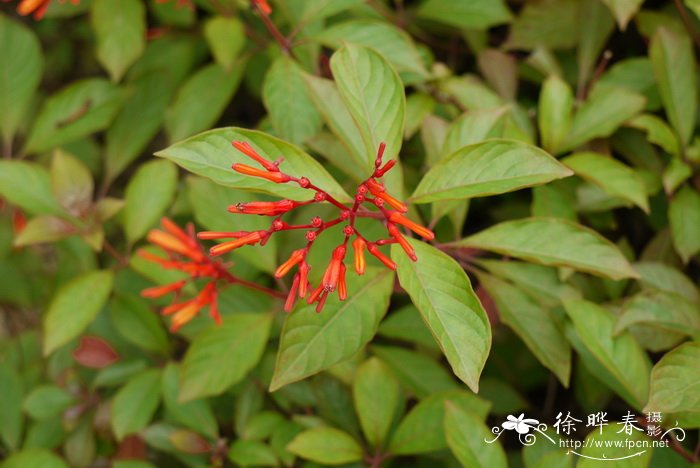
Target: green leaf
x: 34, y: 458
x: 226, y: 39
x: 488, y: 168
x: 422, y: 429
x: 603, y: 113
x: 393, y: 43
x: 659, y: 276
x: 673, y: 61
x: 291, y: 110
x: 148, y: 194
x: 675, y: 381
x: 554, y: 113
x: 661, y: 309
x: 553, y: 24
x: 81, y: 108
x: 466, y: 434
x: 47, y: 401
x: 202, y: 99
x: 326, y: 445
x: 406, y: 324
x: 138, y: 324
x: 28, y: 185
x: 252, y: 453
x: 621, y: 357
x: 321, y: 9
x: 534, y: 324
x: 623, y: 10
x: 74, y: 306
x: 222, y: 355
x: 120, y: 30
x: 473, y: 127
x: 42, y: 229
x: 684, y: 218
x: 135, y: 403
x: 555, y: 242
x: 374, y: 96
x: 197, y: 414
x: 210, y: 155
x: 597, y: 24
x: 376, y: 395
x: 71, y: 183
x: 11, y: 421
x: 22, y: 63
x: 658, y: 132
x: 610, y: 443
x: 417, y: 372
x: 466, y: 14
x: 312, y: 342
x: 611, y: 175
x: 441, y: 291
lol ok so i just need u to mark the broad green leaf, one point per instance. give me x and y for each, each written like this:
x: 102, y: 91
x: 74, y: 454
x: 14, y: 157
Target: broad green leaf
x: 470, y: 92
x: 422, y: 429
x: 614, y: 177
x: 262, y: 425
x: 553, y: 24
x: 393, y: 43
x: 11, y: 420
x: 374, y: 96
x: 673, y: 61
x: 466, y: 14
x: 596, y: 26
x: 74, y: 306
x: 320, y: 9
x: 534, y: 324
x: 211, y: 155
x: 135, y: 403
x: 406, y: 324
x: 291, y: 110
x: 81, y: 108
x: 554, y: 242
x: 610, y: 447
x: 675, y: 381
x: 28, y: 185
x: 376, y: 395
x: 418, y: 106
x: 441, y: 291
x: 22, y: 63
x: 602, y: 113
x: 326, y: 445
x: 658, y: 132
x: 474, y: 127
x: 34, y: 458
x: 684, y: 218
x: 138, y: 324
x: 417, y: 372
x: 657, y: 275
x: 694, y: 5
x: 148, y: 194
x: 226, y: 39
x: 222, y: 355
x: 196, y: 415
x: 210, y: 202
x: 252, y: 453
x: 46, y: 401
x: 71, y: 183
x: 465, y: 434
x: 202, y: 99
x: 554, y: 113
x: 42, y: 229
x: 488, y: 168
x: 661, y: 309
x: 120, y: 30
x: 312, y: 342
x: 620, y: 356
x: 623, y: 10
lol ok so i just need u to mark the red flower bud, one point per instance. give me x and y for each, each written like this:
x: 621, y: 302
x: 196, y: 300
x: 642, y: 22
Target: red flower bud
x: 386, y: 168
x: 359, y: 246
x: 380, y: 154
x: 276, y: 177
x: 252, y: 238
x: 209, y: 235
x: 245, y: 148
x: 158, y: 291
x: 394, y: 232
x: 381, y: 257
x: 296, y: 257
x: 291, y: 298
x: 303, y: 278
x: 342, y: 286
x: 264, y: 208
x: 424, y: 232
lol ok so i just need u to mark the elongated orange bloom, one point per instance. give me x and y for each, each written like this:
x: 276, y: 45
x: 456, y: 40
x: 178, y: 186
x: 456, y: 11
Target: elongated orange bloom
x: 276, y: 177
x: 292, y: 297
x: 294, y: 259
x: 245, y: 148
x: 332, y: 274
x: 424, y: 232
x: 264, y: 208
x: 209, y: 235
x: 378, y: 190
x: 374, y: 250
x: 158, y: 291
x: 174, y: 244
x: 394, y: 232
x: 303, y: 278
x: 342, y: 286
x: 359, y: 246
x: 252, y: 238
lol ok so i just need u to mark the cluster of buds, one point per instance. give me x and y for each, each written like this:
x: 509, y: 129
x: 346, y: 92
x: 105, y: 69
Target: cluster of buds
x: 184, y: 253
x: 371, y: 192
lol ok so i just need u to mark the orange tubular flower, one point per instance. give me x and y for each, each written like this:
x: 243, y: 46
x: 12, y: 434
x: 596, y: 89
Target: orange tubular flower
x: 292, y: 297
x: 158, y: 291
x: 342, y: 286
x: 381, y: 257
x: 249, y: 239
x: 332, y: 274
x: 394, y: 232
x: 378, y: 190
x: 245, y: 148
x: 264, y: 208
x: 424, y: 232
x: 294, y: 259
x: 276, y: 177
x: 359, y: 246
x: 303, y: 278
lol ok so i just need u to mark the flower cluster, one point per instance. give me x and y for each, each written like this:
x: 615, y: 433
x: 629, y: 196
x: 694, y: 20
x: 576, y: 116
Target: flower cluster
x: 370, y: 193
x: 184, y: 253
